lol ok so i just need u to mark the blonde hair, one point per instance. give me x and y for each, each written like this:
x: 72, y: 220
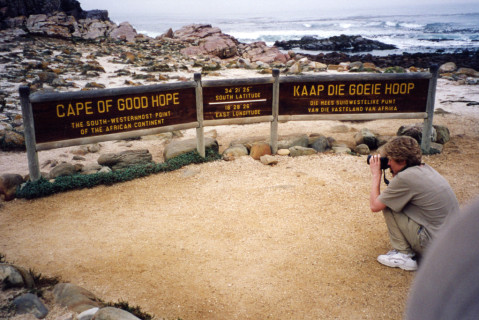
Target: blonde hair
x: 403, y: 148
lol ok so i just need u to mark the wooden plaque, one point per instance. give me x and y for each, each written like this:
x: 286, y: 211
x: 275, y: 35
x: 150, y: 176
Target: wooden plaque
x: 85, y: 117
x: 238, y: 101
x: 353, y: 97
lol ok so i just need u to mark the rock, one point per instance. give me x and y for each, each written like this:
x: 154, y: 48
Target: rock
x: 91, y: 168
x: 343, y: 42
x: 435, y: 148
x: 259, y: 149
x: 286, y: 142
x: 259, y: 51
x: 63, y: 169
x: 415, y: 131
x: 206, y: 40
x: 110, y: 313
x: 341, y: 149
x: 75, y: 298
x: 320, y: 144
x: 283, y: 152
x: 268, y: 160
x: 12, y: 140
x: 30, y: 304
x: 125, y: 159
x: 442, y: 134
x: 14, y: 276
x: 364, y: 136
x: 87, y: 314
x: 362, y: 149
x: 297, y: 151
x: 447, y: 67
x: 9, y: 182
x: 27, y: 8
x: 179, y: 147
x: 467, y: 72
x: 234, y: 152
x: 124, y: 31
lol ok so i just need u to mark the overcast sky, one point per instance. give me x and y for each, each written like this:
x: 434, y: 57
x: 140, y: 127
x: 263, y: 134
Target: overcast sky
x: 248, y: 7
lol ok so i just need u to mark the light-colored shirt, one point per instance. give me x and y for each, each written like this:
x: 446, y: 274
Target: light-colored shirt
x: 422, y: 194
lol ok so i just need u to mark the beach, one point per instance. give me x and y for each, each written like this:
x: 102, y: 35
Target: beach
x: 231, y: 239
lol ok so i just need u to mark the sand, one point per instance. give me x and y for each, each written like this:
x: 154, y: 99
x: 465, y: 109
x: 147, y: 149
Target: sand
x: 237, y: 239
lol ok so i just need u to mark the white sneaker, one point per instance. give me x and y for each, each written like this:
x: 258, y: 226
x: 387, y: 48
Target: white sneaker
x: 396, y: 259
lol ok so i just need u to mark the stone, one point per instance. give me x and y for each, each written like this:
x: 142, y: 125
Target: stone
x: 9, y: 182
x: 63, y: 169
x: 415, y: 131
x: 435, y: 148
x: 268, y: 160
x: 259, y: 149
x: 442, y: 134
x: 320, y: 144
x: 364, y: 136
x: 298, y: 151
x: 10, y: 276
x: 447, y: 67
x: 91, y: 168
x: 289, y: 141
x: 75, y: 298
x: 178, y: 147
x: 13, y: 140
x: 87, y: 314
x: 283, y: 152
x: 110, y: 313
x: 362, y: 149
x: 125, y: 159
x: 30, y: 304
x: 468, y: 72
x: 234, y: 152
x: 124, y: 31
x: 341, y: 149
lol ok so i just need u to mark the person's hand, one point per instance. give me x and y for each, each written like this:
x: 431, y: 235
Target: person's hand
x: 375, y: 165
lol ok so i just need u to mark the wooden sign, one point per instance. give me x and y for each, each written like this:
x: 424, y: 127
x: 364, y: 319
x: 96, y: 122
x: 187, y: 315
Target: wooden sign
x: 353, y: 97
x: 77, y: 117
x: 237, y: 101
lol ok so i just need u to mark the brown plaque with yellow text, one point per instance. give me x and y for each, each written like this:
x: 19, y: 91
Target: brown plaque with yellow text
x: 86, y: 117
x: 353, y: 97
x: 239, y: 101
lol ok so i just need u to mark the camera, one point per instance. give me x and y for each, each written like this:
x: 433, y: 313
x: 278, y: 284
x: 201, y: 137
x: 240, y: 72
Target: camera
x: 384, y: 162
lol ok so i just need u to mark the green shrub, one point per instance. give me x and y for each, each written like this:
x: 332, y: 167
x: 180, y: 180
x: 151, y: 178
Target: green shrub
x: 43, y: 187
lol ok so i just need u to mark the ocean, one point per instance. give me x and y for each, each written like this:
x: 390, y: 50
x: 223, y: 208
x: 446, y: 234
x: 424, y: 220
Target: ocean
x: 443, y: 32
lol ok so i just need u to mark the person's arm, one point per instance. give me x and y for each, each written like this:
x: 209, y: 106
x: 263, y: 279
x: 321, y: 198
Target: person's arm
x: 375, y: 166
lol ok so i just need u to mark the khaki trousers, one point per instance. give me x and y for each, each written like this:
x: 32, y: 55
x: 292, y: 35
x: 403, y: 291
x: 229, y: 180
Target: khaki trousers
x: 405, y: 234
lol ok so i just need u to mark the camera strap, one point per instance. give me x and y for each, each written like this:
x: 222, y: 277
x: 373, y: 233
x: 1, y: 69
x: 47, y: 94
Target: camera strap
x: 386, y: 181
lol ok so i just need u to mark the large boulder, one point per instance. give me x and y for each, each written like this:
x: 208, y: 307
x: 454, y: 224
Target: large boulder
x: 206, y: 40
x: 124, y: 31
x: 259, y: 51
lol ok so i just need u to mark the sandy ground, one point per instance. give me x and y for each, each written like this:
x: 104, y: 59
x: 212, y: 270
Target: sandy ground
x: 237, y: 240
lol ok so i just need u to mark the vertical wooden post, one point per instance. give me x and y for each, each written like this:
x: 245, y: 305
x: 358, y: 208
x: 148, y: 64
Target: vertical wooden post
x: 200, y: 134
x: 29, y: 131
x: 431, y: 97
x: 274, y: 123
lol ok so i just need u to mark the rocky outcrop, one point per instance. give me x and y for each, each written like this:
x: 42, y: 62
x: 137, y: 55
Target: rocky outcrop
x: 342, y: 43
x: 16, y: 8
x: 210, y: 41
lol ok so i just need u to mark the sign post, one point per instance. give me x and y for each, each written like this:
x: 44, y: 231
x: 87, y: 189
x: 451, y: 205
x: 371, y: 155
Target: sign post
x: 29, y: 131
